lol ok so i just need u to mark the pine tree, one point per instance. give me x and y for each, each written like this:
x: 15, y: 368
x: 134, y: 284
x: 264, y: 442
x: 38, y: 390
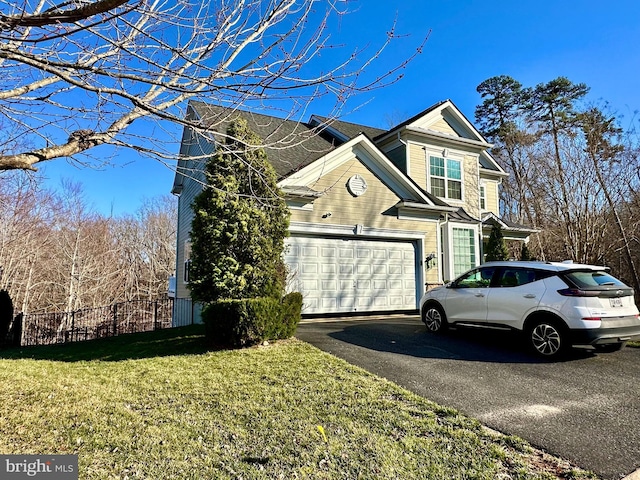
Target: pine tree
x: 496, y: 246
x: 239, y: 225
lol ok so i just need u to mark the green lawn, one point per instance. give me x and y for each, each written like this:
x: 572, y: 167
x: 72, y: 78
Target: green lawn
x: 160, y: 406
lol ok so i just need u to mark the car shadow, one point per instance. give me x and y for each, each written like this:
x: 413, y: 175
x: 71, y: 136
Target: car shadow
x: 476, y: 345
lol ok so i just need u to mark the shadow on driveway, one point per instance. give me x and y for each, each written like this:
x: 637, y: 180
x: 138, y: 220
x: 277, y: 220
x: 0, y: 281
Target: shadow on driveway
x: 409, y: 337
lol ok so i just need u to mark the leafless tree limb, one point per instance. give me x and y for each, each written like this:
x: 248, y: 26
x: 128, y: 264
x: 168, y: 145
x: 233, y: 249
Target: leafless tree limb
x: 77, y: 75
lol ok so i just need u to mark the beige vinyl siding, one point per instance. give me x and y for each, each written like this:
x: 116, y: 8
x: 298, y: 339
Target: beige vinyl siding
x: 471, y: 187
x: 491, y: 197
x: 442, y: 126
x: 418, y: 165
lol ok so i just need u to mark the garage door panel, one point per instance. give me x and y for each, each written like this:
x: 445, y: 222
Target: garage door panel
x: 363, y: 269
x: 346, y: 285
x: 329, y: 304
x: 329, y: 285
x: 309, y: 251
x: 348, y: 275
x: 329, y: 268
x: 395, y: 269
x: 309, y: 268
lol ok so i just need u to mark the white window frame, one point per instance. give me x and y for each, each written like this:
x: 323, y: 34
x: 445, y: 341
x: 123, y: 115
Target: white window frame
x: 483, y: 197
x: 448, y: 270
x: 446, y: 155
x: 186, y: 261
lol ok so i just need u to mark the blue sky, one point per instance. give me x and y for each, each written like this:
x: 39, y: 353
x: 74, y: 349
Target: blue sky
x: 588, y: 41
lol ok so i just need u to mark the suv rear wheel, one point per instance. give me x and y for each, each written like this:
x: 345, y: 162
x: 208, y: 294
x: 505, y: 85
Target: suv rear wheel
x: 547, y: 338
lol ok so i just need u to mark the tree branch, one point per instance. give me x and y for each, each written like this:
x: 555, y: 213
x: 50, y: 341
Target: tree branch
x: 57, y: 15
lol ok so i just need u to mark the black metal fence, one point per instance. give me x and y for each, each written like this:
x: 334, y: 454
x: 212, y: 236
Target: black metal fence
x: 91, y: 323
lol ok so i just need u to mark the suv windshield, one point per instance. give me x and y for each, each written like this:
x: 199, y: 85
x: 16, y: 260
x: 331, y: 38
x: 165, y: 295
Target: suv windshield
x: 593, y: 278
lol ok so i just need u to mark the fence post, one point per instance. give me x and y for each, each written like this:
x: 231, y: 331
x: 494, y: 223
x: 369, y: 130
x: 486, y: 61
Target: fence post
x: 73, y: 324
x: 155, y: 314
x: 16, y: 330
x: 115, y: 319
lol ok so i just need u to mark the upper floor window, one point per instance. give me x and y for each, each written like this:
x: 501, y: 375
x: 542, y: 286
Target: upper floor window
x: 483, y: 198
x: 446, y: 177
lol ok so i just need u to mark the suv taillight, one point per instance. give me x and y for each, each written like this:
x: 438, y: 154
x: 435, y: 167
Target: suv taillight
x: 576, y: 292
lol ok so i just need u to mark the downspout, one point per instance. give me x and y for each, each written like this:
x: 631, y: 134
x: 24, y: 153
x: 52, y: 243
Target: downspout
x: 440, y: 240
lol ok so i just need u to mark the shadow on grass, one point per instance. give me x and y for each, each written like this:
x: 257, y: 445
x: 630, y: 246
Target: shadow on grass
x: 160, y: 343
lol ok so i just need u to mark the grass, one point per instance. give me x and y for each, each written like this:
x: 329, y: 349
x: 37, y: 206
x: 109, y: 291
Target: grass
x: 160, y: 406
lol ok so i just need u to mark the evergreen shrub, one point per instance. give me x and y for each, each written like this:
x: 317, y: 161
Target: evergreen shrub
x: 251, y: 321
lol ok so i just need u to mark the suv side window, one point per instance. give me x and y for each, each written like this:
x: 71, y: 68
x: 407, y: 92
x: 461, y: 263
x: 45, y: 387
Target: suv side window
x: 478, y: 278
x: 514, y: 277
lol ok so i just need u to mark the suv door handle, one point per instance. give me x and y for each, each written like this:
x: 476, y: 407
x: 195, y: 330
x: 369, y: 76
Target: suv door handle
x: 529, y: 295
x: 479, y: 294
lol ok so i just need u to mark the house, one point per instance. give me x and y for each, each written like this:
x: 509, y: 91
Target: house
x: 377, y: 216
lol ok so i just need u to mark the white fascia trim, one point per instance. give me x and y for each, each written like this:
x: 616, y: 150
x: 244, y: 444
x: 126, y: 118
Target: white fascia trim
x: 405, y: 214
x: 421, y: 206
x: 486, y: 173
x: 350, y: 231
x: 445, y: 138
x: 362, y: 148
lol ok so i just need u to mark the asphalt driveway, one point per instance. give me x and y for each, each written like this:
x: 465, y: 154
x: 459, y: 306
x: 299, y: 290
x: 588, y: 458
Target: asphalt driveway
x: 585, y: 408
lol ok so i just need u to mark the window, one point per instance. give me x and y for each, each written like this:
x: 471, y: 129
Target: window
x: 480, y: 278
x: 445, y: 177
x: 464, y: 250
x: 591, y: 278
x: 483, y: 198
x: 187, y: 261
x: 187, y: 267
x: 514, y: 277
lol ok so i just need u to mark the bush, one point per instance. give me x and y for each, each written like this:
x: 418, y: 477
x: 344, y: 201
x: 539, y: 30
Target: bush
x: 250, y: 321
x: 291, y: 311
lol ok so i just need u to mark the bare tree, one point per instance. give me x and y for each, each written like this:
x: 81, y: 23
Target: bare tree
x: 146, y: 249
x: 76, y: 75
x: 57, y: 254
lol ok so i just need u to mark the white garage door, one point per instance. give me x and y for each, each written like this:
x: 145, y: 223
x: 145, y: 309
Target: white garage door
x: 347, y: 275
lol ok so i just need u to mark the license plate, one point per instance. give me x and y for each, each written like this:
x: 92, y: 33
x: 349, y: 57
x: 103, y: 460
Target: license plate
x: 615, y: 302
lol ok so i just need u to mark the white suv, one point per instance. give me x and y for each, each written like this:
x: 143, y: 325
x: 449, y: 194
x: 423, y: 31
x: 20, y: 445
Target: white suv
x: 556, y: 305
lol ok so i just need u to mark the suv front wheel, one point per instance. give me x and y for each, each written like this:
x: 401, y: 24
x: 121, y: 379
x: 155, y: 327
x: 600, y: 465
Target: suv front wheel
x: 434, y: 319
x: 546, y: 338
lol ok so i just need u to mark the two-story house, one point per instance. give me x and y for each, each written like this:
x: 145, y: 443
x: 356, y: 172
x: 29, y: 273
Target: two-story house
x: 377, y: 216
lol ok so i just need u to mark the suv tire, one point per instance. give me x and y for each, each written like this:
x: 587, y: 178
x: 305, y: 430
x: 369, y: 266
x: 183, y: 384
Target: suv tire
x: 547, y: 338
x: 434, y: 319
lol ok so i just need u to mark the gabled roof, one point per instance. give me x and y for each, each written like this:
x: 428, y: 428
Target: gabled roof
x: 446, y: 109
x: 464, y: 133
x: 491, y: 218
x: 290, y: 145
x: 345, y: 130
x: 363, y: 148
